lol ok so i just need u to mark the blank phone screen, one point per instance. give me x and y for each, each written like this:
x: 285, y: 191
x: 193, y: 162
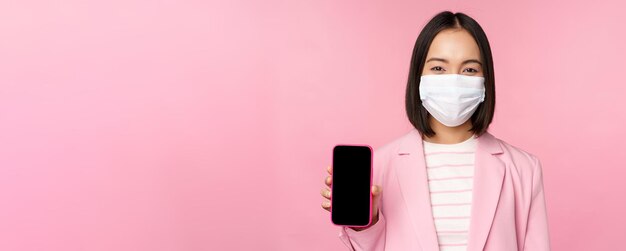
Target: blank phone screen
x: 351, y: 198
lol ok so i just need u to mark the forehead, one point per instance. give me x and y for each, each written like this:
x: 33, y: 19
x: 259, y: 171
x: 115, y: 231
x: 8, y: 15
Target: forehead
x: 455, y: 45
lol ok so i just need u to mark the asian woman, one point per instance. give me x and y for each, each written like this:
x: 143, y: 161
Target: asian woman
x: 448, y: 183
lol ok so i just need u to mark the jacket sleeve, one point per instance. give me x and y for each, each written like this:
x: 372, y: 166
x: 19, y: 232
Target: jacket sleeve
x: 370, y: 239
x: 537, y: 234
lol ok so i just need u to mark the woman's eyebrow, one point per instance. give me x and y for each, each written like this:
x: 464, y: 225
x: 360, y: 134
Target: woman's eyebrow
x: 446, y: 61
x: 473, y: 61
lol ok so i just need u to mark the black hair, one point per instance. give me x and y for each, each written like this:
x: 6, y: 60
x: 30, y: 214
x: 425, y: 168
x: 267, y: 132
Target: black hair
x: 417, y: 114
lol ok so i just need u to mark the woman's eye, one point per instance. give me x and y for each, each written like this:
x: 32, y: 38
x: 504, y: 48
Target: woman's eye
x: 436, y: 68
x: 472, y: 70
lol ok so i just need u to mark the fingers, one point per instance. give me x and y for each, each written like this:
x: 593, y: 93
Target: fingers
x: 329, y: 179
x: 326, y: 193
x: 326, y: 205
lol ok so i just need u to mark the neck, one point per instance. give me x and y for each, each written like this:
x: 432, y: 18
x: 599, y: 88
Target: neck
x: 449, y: 135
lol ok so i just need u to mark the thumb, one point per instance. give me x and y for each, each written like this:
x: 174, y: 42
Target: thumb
x: 376, y: 190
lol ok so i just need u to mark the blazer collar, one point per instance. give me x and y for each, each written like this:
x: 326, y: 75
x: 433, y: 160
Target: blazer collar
x: 413, y: 179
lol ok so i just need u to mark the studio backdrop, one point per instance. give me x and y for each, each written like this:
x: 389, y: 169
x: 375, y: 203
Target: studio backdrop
x: 208, y: 125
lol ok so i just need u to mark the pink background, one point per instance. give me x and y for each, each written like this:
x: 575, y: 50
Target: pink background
x: 195, y: 125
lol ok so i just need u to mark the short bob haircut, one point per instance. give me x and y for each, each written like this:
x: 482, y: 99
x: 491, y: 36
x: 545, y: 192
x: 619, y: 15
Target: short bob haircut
x: 417, y: 114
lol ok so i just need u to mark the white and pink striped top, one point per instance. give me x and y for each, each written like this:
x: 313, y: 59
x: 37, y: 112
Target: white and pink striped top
x: 450, y: 169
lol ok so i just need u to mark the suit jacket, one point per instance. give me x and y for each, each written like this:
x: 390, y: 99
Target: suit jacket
x: 508, y: 210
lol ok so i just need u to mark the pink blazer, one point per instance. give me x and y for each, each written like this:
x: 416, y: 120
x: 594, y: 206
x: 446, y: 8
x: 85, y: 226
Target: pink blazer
x: 508, y: 209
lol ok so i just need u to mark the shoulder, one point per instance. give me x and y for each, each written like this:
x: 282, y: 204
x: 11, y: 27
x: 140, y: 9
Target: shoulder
x: 520, y: 158
x: 384, y: 154
x: 392, y: 146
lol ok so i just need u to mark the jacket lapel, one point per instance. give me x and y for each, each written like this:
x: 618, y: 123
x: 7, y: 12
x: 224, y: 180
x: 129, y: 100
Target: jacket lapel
x: 413, y: 180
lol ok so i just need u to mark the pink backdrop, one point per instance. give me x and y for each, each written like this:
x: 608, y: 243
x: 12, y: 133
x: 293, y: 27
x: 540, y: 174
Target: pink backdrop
x: 195, y: 125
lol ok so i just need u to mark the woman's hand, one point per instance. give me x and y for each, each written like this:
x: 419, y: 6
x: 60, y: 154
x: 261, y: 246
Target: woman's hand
x: 326, y: 193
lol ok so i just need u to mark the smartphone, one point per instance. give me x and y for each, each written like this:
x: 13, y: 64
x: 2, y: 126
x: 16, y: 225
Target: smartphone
x: 351, y: 197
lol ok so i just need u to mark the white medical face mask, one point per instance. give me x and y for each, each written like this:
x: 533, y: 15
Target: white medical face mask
x: 451, y: 98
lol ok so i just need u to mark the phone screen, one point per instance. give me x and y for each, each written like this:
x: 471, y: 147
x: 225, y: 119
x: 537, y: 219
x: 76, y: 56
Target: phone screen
x: 351, y: 196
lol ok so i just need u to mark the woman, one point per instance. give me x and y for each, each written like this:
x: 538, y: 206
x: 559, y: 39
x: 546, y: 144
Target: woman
x: 448, y: 183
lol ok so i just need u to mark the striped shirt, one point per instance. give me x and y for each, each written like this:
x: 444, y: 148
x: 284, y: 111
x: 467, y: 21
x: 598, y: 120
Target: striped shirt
x: 450, y: 169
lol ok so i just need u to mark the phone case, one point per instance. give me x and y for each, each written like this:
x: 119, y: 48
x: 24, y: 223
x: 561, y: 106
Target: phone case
x: 371, y: 178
